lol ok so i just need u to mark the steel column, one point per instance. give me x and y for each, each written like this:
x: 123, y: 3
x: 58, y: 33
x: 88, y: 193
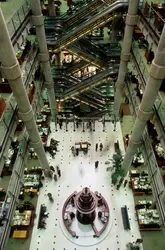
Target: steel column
x: 38, y: 21
x: 11, y: 71
x: 157, y: 74
x: 131, y: 21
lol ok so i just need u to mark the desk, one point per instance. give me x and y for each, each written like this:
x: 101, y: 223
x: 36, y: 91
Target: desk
x: 148, y: 219
x: 81, y: 145
x: 141, y: 185
x: 20, y: 234
x: 22, y: 219
x: 34, y: 191
x: 31, y: 180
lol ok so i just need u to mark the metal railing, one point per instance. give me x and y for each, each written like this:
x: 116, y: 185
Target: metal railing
x: 13, y: 190
x: 14, y: 21
x: 153, y: 17
x: 11, y: 105
x: 159, y: 104
x: 149, y: 156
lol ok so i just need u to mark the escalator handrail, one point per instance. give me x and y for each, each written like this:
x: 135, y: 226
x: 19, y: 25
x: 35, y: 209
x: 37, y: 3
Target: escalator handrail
x: 100, y: 75
x: 60, y: 43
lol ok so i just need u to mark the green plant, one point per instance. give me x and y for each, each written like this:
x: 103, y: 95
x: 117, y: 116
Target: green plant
x: 118, y: 171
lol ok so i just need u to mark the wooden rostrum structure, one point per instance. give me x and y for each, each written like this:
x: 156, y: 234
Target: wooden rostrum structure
x: 88, y: 207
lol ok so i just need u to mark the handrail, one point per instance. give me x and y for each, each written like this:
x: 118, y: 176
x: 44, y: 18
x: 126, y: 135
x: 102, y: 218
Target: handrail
x: 90, y: 82
x: 11, y: 103
x: 150, y: 13
x: 13, y: 191
x: 15, y: 20
x: 153, y: 169
x: 97, y: 21
x: 144, y: 77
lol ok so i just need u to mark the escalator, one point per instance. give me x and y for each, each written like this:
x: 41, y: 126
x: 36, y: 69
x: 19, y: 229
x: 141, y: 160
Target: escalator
x: 91, y: 46
x: 93, y: 54
x: 89, y: 101
x: 90, y: 82
x: 74, y: 67
x: 83, y: 12
x: 87, y: 26
x: 93, y: 59
x: 79, y: 16
x: 95, y: 113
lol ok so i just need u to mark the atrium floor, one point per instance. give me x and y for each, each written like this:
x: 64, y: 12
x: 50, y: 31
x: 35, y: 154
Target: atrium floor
x: 79, y: 172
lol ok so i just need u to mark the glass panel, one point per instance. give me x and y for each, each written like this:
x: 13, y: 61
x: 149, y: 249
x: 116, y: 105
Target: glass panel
x: 153, y: 15
x: 8, y: 115
x: 14, y: 21
x: 161, y: 112
x: 3, y: 130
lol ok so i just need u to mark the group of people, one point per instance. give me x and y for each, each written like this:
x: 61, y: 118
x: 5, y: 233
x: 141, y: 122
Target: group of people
x: 42, y: 220
x: 52, y: 149
x: 54, y: 174
x: 99, y: 146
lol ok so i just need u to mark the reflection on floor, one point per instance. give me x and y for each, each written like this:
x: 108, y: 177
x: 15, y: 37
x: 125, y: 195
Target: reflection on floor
x: 78, y: 172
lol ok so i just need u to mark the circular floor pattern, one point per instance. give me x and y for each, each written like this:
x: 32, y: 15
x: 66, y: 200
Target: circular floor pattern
x: 85, y: 232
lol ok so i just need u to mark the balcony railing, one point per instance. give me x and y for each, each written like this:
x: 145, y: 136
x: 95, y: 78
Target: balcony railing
x: 13, y: 190
x: 159, y: 104
x: 149, y: 155
x: 154, y: 18
x: 11, y: 105
x: 14, y: 22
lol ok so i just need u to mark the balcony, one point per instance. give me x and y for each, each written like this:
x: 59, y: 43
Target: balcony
x: 8, y: 117
x: 158, y: 187
x: 143, y: 70
x: 17, y: 20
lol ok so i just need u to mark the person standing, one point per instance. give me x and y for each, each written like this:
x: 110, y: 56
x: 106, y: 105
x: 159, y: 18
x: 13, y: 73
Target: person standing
x: 101, y: 146
x: 59, y: 172
x: 60, y: 123
x: 55, y: 177
x: 96, y: 147
x: 52, y: 168
x: 125, y: 183
x: 96, y: 164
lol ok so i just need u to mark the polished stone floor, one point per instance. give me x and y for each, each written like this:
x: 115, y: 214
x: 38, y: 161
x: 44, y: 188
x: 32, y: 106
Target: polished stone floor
x: 78, y: 172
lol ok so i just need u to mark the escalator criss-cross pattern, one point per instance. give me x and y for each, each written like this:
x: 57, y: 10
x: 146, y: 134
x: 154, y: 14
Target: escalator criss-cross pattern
x: 87, y: 10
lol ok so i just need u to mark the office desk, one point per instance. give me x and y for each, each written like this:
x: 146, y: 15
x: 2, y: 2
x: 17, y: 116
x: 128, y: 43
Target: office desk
x: 20, y: 234
x: 22, y: 219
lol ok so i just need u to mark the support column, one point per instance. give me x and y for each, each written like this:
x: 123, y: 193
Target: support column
x: 11, y: 71
x: 58, y: 59
x: 38, y: 21
x: 117, y: 25
x: 157, y: 74
x: 114, y: 35
x: 131, y: 21
x: 51, y: 8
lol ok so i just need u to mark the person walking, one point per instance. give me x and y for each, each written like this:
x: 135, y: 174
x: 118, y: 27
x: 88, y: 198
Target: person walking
x: 96, y: 147
x: 96, y: 164
x: 52, y: 168
x: 59, y: 173
x: 125, y: 183
x: 55, y: 177
x: 101, y: 146
x: 60, y: 124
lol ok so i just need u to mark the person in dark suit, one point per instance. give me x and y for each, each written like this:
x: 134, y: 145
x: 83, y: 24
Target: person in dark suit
x: 96, y: 164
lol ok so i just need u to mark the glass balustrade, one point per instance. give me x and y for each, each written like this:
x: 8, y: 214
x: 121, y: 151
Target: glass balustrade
x: 11, y: 104
x: 17, y: 18
x: 159, y: 103
x: 154, y: 14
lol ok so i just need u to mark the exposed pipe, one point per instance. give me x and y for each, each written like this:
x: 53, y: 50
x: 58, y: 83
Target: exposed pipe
x: 131, y: 21
x: 38, y: 21
x: 11, y: 71
x: 157, y: 74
